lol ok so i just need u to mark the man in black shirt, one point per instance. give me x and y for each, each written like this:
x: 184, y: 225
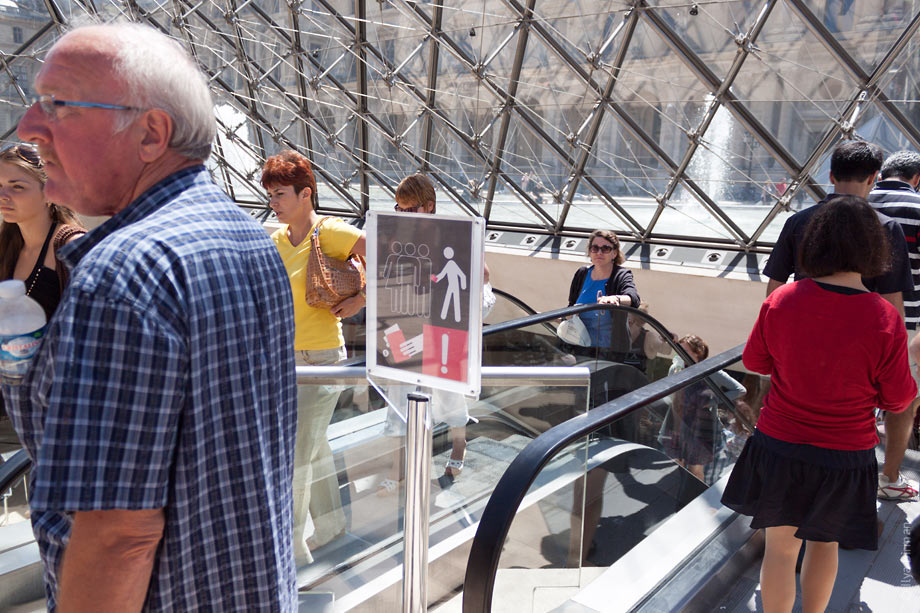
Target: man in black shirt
x: 854, y: 168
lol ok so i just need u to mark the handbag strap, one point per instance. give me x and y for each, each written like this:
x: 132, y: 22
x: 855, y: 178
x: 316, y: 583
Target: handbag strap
x: 315, y: 245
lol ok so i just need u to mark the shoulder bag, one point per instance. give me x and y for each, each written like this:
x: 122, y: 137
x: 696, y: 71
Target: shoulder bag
x: 329, y: 280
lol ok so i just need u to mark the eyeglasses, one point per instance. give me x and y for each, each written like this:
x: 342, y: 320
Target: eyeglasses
x: 25, y: 153
x: 601, y: 248
x: 49, y: 105
x: 408, y: 209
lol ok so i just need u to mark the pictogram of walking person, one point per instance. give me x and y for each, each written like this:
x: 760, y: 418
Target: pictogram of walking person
x: 456, y: 281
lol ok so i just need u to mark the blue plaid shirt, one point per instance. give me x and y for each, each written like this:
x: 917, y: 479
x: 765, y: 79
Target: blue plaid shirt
x: 166, y: 380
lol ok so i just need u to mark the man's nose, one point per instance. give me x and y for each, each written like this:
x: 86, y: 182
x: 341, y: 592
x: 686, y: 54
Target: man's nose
x: 33, y: 126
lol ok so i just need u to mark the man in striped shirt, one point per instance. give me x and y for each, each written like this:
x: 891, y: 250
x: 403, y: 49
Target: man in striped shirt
x: 895, y: 196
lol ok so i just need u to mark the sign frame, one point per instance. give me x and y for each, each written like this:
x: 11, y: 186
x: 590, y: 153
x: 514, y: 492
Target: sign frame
x: 472, y: 384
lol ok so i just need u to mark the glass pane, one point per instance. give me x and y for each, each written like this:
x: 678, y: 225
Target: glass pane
x: 559, y: 103
x: 875, y: 127
x: 351, y: 515
x: 771, y: 232
x: 793, y: 84
x: 902, y: 82
x: 481, y: 31
x: 16, y: 82
x: 732, y: 167
x: 627, y: 170
x: 590, y: 211
x: 236, y: 159
x: 685, y: 215
x: 866, y: 29
x: 711, y: 29
x: 664, y: 103
x: 580, y: 27
x: 626, y: 478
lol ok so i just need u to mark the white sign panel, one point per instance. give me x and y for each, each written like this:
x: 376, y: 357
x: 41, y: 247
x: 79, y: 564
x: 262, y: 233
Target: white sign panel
x: 424, y: 299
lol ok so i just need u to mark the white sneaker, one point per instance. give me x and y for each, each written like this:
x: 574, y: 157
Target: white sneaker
x: 901, y: 490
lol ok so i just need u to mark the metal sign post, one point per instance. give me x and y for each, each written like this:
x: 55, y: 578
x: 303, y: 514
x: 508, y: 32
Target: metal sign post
x: 418, y: 494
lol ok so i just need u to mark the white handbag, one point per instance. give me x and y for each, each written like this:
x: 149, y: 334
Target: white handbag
x: 573, y: 331
x: 488, y: 300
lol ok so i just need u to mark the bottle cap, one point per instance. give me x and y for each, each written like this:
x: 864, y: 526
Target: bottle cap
x: 14, y: 288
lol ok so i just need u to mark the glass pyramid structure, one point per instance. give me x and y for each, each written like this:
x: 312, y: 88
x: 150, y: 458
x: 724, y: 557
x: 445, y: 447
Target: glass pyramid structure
x: 671, y: 121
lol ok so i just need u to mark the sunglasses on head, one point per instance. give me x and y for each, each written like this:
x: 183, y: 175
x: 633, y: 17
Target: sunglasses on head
x: 601, y: 248
x: 25, y: 153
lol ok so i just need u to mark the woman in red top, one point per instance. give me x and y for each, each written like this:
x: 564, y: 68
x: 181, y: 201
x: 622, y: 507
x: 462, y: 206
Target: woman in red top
x: 834, y: 352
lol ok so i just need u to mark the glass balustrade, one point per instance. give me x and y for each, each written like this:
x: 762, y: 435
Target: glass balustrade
x: 356, y: 480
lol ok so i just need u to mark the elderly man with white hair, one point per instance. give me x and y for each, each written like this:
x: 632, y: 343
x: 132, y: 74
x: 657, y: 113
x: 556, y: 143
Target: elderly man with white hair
x: 160, y: 411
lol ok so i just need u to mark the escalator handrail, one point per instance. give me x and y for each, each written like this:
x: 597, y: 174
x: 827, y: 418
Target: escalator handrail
x: 663, y: 332
x: 548, y: 316
x: 496, y: 519
x: 14, y: 469
x: 515, y: 301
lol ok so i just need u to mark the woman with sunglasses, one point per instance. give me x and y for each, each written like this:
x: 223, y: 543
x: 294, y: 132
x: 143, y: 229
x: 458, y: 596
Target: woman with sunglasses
x: 33, y: 229
x: 605, y: 281
x: 318, y: 341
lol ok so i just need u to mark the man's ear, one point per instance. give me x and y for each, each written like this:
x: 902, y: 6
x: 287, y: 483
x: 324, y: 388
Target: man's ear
x: 915, y: 181
x: 157, y: 129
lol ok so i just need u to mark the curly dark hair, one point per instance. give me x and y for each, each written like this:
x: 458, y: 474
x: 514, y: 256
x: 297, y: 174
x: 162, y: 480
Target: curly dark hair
x: 845, y: 235
x: 290, y: 168
x: 902, y: 164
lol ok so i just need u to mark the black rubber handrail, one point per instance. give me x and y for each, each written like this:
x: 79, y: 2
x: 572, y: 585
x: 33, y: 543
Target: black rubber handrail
x: 496, y: 519
x: 515, y: 301
x: 547, y: 316
x: 14, y: 469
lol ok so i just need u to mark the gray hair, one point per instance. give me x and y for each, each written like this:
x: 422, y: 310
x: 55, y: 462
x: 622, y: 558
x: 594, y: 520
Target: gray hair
x: 903, y: 164
x: 159, y: 73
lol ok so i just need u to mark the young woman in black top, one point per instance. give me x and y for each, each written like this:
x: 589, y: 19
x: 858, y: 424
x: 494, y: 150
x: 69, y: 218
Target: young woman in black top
x: 32, y: 228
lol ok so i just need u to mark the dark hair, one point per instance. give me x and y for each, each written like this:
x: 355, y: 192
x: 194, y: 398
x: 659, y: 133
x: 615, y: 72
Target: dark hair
x: 419, y: 188
x: 844, y: 235
x: 698, y: 345
x: 903, y: 165
x: 290, y: 168
x: 855, y: 160
x: 11, y: 241
x: 610, y: 236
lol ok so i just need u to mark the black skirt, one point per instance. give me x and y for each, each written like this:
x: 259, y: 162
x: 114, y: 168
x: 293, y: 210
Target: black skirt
x: 828, y: 494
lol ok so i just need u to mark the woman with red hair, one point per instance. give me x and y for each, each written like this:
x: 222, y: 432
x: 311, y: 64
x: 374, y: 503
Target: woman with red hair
x: 318, y: 340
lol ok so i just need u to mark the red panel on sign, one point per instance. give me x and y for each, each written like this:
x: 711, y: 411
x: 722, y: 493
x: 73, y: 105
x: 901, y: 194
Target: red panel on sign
x: 445, y: 352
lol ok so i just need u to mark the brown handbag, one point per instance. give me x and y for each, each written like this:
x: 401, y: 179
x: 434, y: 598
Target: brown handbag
x: 329, y: 280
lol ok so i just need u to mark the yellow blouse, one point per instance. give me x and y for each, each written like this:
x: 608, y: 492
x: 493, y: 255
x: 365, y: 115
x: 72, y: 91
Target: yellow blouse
x: 314, y: 328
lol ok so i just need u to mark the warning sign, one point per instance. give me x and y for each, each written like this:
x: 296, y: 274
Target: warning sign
x: 424, y: 299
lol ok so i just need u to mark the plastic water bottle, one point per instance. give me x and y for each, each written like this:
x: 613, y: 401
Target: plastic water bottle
x: 22, y: 326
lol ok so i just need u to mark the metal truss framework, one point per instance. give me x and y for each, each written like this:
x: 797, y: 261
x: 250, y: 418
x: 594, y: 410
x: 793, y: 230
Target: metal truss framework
x: 372, y: 90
